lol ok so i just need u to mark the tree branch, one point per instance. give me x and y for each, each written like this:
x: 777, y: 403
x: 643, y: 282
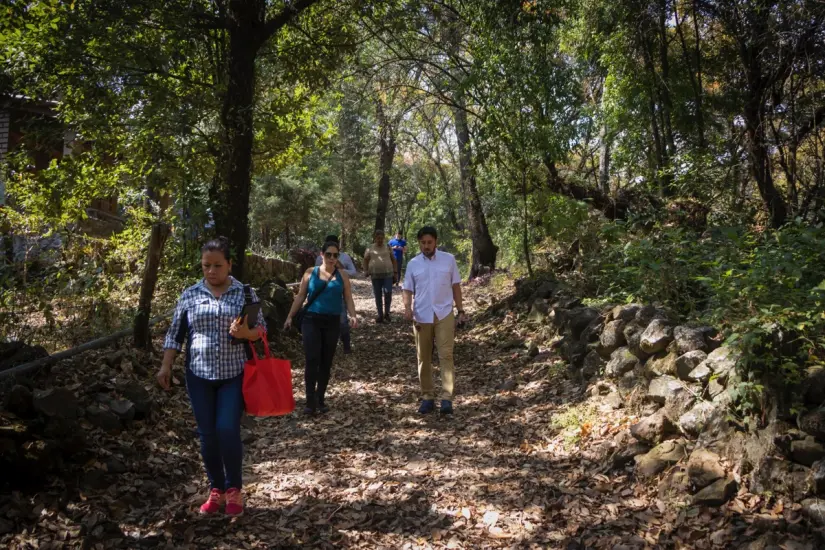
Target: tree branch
x: 286, y: 15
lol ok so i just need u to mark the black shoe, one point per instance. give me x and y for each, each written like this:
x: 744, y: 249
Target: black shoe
x: 446, y: 407
x: 379, y: 319
x: 427, y: 406
x: 387, y: 318
x: 310, y: 411
x: 323, y: 409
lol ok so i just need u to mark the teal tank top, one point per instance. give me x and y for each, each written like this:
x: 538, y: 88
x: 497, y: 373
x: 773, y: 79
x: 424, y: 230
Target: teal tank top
x: 330, y: 301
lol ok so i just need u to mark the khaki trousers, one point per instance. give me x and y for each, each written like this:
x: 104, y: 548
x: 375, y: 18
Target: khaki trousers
x: 444, y: 332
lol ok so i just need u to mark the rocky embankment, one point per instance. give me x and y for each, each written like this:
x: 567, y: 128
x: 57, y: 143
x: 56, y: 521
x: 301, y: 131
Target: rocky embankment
x: 687, y: 385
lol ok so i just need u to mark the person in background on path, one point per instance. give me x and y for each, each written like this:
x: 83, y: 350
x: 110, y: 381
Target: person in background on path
x: 345, y: 264
x: 208, y: 314
x: 379, y: 264
x: 431, y: 285
x: 399, y: 248
x: 320, y: 327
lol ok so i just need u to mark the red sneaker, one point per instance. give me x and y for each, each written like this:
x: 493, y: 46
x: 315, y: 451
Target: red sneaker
x: 234, y: 502
x: 213, y: 503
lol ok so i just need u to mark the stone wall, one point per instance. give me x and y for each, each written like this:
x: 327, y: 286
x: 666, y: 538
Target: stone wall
x: 685, y: 382
x: 259, y: 269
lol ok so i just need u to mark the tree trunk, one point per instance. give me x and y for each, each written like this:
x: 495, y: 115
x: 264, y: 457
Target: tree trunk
x: 525, y: 232
x: 142, y: 337
x: 484, y: 251
x: 760, y: 160
x: 386, y: 155
x: 604, y: 148
x: 233, y: 175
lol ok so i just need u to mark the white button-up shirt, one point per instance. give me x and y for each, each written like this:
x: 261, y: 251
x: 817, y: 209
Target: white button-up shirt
x: 431, y: 281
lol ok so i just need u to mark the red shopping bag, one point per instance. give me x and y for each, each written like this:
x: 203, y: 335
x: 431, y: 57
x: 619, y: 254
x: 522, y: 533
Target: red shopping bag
x: 267, y: 384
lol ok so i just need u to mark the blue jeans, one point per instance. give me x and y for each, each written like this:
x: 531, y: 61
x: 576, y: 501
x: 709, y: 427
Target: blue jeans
x: 218, y: 406
x: 320, y: 334
x: 382, y: 288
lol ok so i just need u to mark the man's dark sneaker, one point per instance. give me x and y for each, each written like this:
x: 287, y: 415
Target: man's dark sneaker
x: 310, y: 411
x: 386, y: 317
x: 446, y: 407
x: 323, y: 408
x: 379, y: 319
x: 427, y: 406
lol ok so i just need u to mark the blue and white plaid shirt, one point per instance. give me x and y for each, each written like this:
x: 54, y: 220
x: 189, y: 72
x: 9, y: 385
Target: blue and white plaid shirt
x: 203, y: 321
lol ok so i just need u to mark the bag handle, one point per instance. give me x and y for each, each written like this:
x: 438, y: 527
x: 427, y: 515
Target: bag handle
x: 267, y: 354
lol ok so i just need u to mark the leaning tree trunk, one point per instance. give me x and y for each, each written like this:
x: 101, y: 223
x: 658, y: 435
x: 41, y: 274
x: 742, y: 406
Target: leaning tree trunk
x: 484, y: 251
x: 760, y: 162
x: 142, y: 337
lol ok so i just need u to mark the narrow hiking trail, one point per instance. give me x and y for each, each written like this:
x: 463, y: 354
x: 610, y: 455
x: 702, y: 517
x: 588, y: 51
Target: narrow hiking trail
x: 528, y: 460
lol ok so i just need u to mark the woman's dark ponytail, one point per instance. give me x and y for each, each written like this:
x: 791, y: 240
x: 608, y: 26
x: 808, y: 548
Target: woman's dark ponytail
x: 219, y: 244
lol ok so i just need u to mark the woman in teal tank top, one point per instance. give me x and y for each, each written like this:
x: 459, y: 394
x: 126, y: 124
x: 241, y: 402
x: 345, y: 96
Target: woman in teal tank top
x: 323, y: 287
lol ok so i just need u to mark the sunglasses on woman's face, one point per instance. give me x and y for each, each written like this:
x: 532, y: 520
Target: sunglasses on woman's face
x: 331, y: 255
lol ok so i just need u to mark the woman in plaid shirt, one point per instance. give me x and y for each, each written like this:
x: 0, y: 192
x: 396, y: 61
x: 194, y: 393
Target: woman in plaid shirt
x: 206, y: 316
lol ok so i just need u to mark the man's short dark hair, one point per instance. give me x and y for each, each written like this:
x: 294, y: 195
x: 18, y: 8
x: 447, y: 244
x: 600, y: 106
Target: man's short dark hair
x: 333, y: 238
x: 427, y: 230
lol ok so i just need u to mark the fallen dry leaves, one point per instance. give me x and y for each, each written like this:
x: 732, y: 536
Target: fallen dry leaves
x: 373, y: 474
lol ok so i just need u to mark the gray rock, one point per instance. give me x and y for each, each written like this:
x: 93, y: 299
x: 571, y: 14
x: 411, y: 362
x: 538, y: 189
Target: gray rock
x: 538, y: 311
x: 593, y: 330
x: 633, y: 336
x: 686, y: 339
x: 546, y: 290
x: 654, y: 429
x: 123, y: 408
x: 577, y: 320
x: 700, y: 374
x: 55, y: 402
x: 813, y: 423
x: 20, y: 401
x: 813, y: 386
x: 507, y: 385
x: 621, y: 361
x: 612, y: 337
x: 593, y: 365
x: 722, y: 361
x: 807, y: 451
x: 660, y: 389
x: 625, y: 313
x: 814, y: 510
x: 818, y: 477
x: 717, y: 493
x: 656, y: 336
x: 103, y: 419
x: 693, y: 422
x: 613, y: 401
x: 663, y: 363
x: 689, y: 361
x: 646, y: 314
x: 626, y: 455
x: 780, y: 477
x: 704, y: 467
x: 115, y: 466
x: 140, y: 397
x: 715, y: 386
x: 659, y: 458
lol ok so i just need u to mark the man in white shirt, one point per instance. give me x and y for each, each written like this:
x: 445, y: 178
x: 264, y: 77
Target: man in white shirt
x: 431, y: 285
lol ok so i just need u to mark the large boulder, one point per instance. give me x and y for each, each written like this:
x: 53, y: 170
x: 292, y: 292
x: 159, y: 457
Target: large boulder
x: 592, y: 331
x: 717, y: 493
x: 55, y: 402
x: 693, y: 422
x: 813, y: 423
x: 612, y: 337
x: 663, y: 363
x: 686, y: 339
x: 813, y: 386
x: 577, y: 320
x: 654, y: 429
x: 621, y: 362
x: 660, y: 457
x: 722, y: 361
x: 686, y: 363
x: 624, y: 313
x: 704, y: 467
x: 807, y: 451
x: 625, y: 455
x: 663, y: 388
x: 633, y: 336
x: 646, y: 314
x: 593, y: 365
x: 701, y: 374
x: 656, y: 337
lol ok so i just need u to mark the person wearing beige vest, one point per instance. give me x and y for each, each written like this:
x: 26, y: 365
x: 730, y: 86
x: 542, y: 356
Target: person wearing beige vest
x: 379, y: 264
